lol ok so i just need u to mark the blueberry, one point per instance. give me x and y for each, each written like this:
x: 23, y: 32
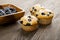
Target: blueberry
x: 7, y: 10
x: 29, y: 16
x: 21, y: 22
x: 29, y: 20
x: 13, y: 10
x: 36, y: 15
x: 43, y: 13
x: 1, y: 12
x: 31, y: 11
x: 32, y: 7
x: 28, y: 24
x: 35, y: 9
x: 49, y: 12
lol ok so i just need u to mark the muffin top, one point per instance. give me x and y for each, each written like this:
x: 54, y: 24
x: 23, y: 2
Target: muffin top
x: 28, y: 20
x: 36, y: 8
x: 46, y: 13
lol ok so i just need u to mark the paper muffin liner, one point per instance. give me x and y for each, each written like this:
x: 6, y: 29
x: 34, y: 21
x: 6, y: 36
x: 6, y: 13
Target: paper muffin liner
x: 45, y: 21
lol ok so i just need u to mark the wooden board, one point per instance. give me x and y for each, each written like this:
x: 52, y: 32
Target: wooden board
x: 50, y: 32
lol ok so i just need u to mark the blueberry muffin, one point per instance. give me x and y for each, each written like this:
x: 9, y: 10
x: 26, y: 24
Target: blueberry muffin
x: 36, y: 8
x: 45, y: 16
x: 29, y: 23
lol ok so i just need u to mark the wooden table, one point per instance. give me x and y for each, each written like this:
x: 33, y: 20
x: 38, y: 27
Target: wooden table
x: 50, y: 32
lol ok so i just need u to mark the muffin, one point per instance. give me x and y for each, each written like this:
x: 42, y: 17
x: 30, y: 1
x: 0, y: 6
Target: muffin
x: 36, y: 8
x: 29, y: 23
x: 45, y: 16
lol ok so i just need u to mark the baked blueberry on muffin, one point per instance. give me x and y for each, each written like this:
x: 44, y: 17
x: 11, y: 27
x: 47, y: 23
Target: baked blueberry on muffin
x: 36, y: 8
x: 29, y: 23
x: 45, y: 16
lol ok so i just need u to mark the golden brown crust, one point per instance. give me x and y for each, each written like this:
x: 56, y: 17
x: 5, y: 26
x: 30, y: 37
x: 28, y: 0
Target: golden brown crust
x: 32, y: 22
x: 40, y: 10
x: 29, y: 28
x: 45, y: 21
x: 44, y: 15
x: 29, y: 23
x: 36, y: 8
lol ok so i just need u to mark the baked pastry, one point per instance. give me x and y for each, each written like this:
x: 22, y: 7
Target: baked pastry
x: 36, y: 8
x: 29, y: 23
x: 45, y: 16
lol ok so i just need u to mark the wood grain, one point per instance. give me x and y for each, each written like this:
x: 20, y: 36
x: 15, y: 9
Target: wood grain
x: 51, y: 32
